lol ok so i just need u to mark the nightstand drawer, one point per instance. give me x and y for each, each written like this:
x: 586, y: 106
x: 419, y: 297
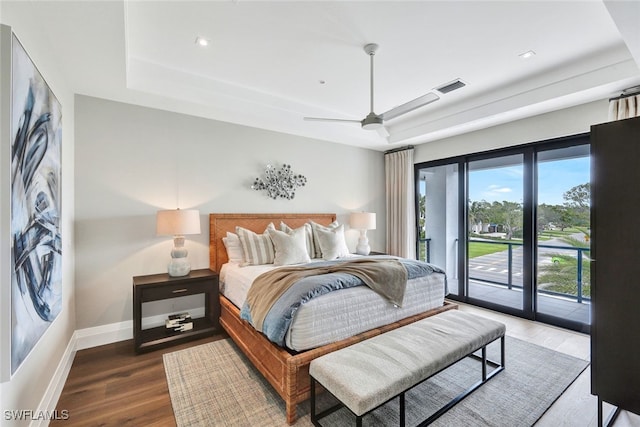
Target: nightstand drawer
x: 154, y: 293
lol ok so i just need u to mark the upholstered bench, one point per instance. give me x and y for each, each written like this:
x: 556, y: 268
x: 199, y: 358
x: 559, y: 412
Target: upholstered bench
x: 370, y: 373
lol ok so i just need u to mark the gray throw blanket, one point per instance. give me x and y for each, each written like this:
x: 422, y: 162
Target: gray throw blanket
x: 387, y: 277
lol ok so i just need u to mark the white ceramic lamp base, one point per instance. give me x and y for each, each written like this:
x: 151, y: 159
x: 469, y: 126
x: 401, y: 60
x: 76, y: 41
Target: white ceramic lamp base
x: 179, y: 265
x: 363, y: 247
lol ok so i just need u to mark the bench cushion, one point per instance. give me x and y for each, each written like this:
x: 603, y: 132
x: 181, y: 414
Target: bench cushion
x: 367, y: 374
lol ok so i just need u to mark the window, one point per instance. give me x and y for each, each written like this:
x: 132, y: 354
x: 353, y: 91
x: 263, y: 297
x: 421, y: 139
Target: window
x: 511, y: 228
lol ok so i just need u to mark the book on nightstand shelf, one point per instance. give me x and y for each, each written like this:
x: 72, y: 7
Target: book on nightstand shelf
x: 180, y: 327
x: 179, y: 322
x: 179, y: 316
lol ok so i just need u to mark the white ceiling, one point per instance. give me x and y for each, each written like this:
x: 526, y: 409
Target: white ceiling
x: 266, y: 59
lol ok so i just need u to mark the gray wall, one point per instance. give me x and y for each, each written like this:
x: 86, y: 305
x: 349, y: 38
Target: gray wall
x: 132, y: 161
x: 26, y: 389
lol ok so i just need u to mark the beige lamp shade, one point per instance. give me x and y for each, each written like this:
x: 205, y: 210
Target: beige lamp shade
x: 363, y: 220
x: 177, y: 222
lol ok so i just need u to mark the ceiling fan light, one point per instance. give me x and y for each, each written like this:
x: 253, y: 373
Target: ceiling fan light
x: 372, y: 122
x: 372, y: 126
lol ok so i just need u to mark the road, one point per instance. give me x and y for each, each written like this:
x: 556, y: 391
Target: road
x: 495, y: 267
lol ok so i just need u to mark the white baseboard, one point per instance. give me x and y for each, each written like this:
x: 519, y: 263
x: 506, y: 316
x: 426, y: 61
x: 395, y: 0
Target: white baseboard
x: 104, y: 334
x: 54, y: 390
x: 120, y: 331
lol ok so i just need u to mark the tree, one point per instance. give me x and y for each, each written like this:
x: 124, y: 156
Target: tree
x: 478, y: 213
x: 506, y: 214
x: 547, y: 214
x: 509, y: 215
x: 577, y: 203
x: 564, y: 216
x: 578, y: 196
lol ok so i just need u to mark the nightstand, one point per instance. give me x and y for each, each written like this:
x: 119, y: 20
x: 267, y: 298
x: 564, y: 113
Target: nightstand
x: 157, y: 287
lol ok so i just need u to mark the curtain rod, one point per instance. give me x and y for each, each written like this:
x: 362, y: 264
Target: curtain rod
x: 632, y: 91
x: 395, y: 150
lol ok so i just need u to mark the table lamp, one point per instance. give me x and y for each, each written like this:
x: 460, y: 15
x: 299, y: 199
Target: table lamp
x: 363, y: 221
x: 178, y: 223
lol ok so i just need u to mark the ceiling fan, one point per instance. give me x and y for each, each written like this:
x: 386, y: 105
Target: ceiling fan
x: 376, y: 121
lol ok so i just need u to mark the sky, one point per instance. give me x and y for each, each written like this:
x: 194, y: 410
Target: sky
x: 505, y: 183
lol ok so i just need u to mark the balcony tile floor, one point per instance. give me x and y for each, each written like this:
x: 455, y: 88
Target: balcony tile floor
x: 547, y: 304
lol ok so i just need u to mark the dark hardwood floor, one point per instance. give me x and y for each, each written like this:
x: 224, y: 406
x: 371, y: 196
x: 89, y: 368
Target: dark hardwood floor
x: 112, y: 386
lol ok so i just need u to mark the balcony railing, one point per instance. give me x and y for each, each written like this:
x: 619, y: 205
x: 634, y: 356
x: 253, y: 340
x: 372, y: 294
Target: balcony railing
x: 579, y: 254
x: 424, y: 250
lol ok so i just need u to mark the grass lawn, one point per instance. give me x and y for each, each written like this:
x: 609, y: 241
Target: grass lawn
x: 561, y: 276
x: 558, y: 233
x: 483, y: 248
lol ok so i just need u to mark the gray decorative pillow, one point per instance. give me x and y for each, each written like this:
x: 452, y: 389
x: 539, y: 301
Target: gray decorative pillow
x: 291, y: 248
x: 311, y: 250
x: 316, y: 244
x: 332, y: 243
x: 257, y: 248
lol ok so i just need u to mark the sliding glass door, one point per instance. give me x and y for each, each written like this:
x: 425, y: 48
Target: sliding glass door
x: 510, y: 227
x: 495, y: 231
x: 563, y: 234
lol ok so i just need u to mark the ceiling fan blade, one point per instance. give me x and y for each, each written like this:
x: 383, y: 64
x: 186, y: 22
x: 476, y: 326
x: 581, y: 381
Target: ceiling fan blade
x: 383, y: 131
x: 421, y: 101
x: 323, y: 119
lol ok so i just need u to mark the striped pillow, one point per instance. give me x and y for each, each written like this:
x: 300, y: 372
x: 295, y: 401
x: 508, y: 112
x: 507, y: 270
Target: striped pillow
x: 257, y: 248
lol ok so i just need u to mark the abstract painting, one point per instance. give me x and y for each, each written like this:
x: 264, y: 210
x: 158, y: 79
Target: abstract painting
x: 36, y: 248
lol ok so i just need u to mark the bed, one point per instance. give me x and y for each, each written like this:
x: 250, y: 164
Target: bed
x: 286, y: 370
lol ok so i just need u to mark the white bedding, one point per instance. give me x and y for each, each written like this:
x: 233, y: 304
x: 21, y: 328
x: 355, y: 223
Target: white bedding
x: 339, y: 314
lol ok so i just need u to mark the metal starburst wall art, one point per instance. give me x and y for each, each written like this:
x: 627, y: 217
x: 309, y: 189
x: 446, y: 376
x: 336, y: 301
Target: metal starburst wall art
x: 279, y: 183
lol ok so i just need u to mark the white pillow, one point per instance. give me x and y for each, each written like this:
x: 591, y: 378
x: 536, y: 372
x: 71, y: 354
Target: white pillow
x: 308, y: 233
x: 291, y: 248
x: 332, y: 243
x: 256, y: 248
x: 234, y: 248
x: 315, y: 227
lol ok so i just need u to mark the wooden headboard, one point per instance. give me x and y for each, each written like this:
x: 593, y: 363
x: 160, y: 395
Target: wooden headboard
x: 219, y: 224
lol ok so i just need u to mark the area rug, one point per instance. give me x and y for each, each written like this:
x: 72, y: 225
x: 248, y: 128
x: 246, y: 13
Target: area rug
x: 215, y: 385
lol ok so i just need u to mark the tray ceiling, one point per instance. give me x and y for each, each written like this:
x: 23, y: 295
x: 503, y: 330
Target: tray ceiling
x: 269, y: 64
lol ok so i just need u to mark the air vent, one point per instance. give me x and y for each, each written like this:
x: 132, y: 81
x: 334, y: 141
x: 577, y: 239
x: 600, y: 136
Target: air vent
x: 451, y: 86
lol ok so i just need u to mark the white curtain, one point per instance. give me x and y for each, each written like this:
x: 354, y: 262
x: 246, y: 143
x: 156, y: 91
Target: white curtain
x: 401, y: 227
x: 624, y: 108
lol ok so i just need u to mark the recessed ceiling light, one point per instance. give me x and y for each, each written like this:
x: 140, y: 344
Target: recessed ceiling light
x: 528, y: 54
x: 201, y: 41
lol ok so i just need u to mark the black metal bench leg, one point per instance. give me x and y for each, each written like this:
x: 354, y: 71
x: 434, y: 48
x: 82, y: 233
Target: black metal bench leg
x: 402, y: 410
x: 484, y: 363
x: 313, y: 400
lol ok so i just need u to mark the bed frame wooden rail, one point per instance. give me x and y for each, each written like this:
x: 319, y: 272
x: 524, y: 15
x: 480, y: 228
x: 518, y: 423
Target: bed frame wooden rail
x: 286, y: 371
